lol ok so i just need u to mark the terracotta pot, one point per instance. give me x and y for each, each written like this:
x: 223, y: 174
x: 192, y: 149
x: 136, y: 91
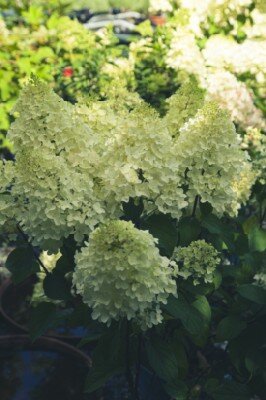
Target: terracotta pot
x: 7, y: 288
x: 158, y: 20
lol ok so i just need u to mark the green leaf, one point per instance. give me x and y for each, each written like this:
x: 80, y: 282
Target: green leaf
x: 230, y: 327
x: 108, y: 359
x: 217, y: 279
x: 230, y: 391
x: 144, y: 28
x: 250, y: 223
x: 133, y: 210
x: 180, y: 353
x: 254, y: 293
x: 202, y: 305
x: 56, y: 287
x: 22, y: 263
x: 216, y: 226
x: 190, y: 317
x: 66, y: 262
x: 205, y: 208
x: 189, y: 229
x: 34, y: 15
x: 163, y: 228
x: 242, y: 244
x: 162, y: 359
x: 177, y: 390
x: 45, y: 316
x: 257, y: 239
x: 93, y: 337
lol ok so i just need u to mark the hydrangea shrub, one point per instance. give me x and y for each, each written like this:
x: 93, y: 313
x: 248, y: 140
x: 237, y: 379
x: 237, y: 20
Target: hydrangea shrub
x: 146, y: 215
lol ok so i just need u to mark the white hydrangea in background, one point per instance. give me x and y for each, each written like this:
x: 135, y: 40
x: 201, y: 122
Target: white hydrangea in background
x: 160, y: 6
x: 254, y: 141
x: 224, y: 52
x: 258, y: 28
x: 184, y: 54
x: 223, y: 87
x: 120, y: 273
x: 219, y: 11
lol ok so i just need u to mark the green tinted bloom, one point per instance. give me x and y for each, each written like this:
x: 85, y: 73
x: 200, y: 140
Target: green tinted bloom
x: 198, y: 261
x: 52, y: 182
x: 183, y: 105
x: 211, y: 160
x: 120, y: 273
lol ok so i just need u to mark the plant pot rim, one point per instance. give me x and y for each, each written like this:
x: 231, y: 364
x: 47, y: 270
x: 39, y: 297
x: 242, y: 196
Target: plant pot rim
x: 44, y: 342
x: 6, y: 285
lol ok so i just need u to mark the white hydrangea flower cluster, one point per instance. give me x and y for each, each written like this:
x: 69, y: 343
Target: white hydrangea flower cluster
x: 160, y: 6
x: 52, y: 186
x: 248, y: 57
x: 242, y: 185
x: 183, y: 105
x: 88, y: 160
x: 224, y: 52
x: 210, y: 168
x: 258, y: 27
x: 255, y: 142
x: 139, y: 148
x: 184, y: 54
x: 217, y: 68
x: 221, y: 12
x: 119, y: 69
x: 120, y: 273
x: 198, y: 261
x: 3, y: 29
x: 224, y: 88
x: 260, y: 279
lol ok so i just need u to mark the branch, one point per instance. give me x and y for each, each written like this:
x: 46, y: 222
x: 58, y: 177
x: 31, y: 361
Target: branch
x: 32, y: 249
x: 128, y: 371
x: 138, y: 366
x: 195, y: 206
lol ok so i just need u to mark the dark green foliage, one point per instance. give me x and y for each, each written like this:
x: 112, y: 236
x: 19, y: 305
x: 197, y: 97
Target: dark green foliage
x: 22, y: 263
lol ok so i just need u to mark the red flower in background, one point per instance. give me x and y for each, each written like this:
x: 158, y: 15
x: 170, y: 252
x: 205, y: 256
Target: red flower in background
x: 68, y: 72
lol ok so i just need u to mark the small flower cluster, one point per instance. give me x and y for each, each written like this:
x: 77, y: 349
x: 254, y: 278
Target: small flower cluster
x: 160, y: 6
x: 120, y: 273
x: 255, y: 142
x: 197, y: 261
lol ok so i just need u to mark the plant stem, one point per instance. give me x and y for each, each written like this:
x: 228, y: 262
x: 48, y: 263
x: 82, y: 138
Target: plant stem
x: 128, y: 372
x: 262, y: 216
x: 138, y: 367
x: 32, y: 248
x: 195, y: 206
